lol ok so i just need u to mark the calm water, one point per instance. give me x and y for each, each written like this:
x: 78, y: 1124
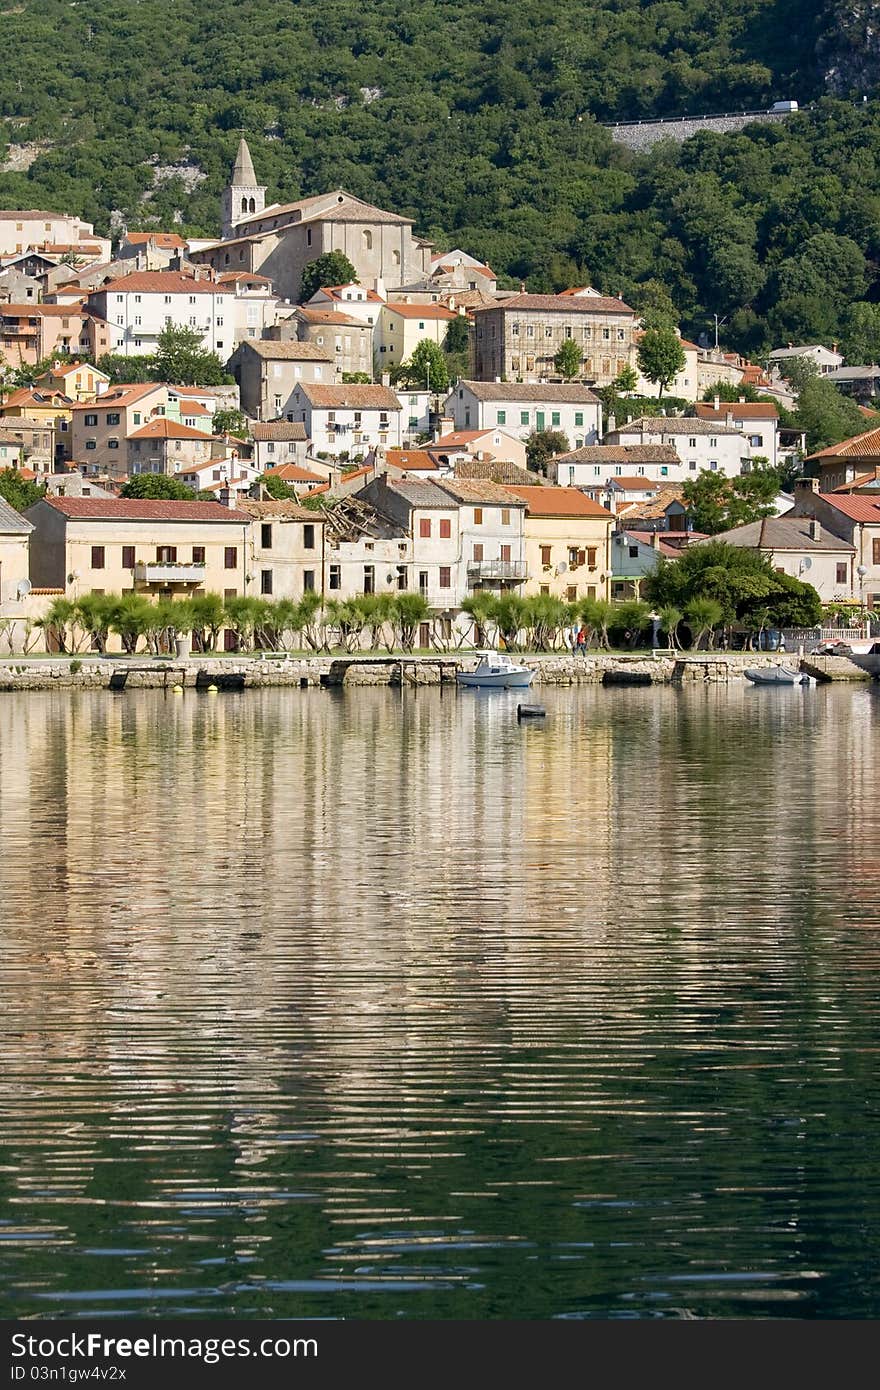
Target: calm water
x: 388, y: 1007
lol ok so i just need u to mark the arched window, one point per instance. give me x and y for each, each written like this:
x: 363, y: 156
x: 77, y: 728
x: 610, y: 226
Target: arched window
x: 243, y: 206
x: 226, y: 259
x: 253, y: 205
x: 367, y: 238
x: 395, y: 258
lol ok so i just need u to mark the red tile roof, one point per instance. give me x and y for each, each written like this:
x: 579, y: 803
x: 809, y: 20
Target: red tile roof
x: 160, y: 282
x: 865, y: 445
x: 141, y: 509
x: 856, y: 507
x: 563, y: 304
x: 558, y: 501
x: 421, y: 311
x: 740, y: 410
x: 163, y: 428
x: 169, y: 241
x: 410, y: 459
x: 292, y: 473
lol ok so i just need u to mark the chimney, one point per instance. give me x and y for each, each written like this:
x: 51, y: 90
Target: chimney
x: 742, y: 400
x: 717, y: 403
x: 655, y: 540
x: 224, y: 496
x: 728, y: 418
x: 815, y: 530
x: 379, y: 286
x: 834, y: 347
x: 386, y: 378
x: 445, y: 425
x: 611, y: 425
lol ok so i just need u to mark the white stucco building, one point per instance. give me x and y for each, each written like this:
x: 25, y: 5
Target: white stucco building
x: 521, y: 408
x: 138, y: 307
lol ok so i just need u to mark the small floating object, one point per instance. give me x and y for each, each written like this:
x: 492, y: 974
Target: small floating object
x: 530, y: 712
x: 212, y: 689
x: 178, y: 689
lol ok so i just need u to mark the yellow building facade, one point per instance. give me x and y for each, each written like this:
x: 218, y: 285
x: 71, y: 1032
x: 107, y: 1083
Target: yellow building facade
x: 567, y: 543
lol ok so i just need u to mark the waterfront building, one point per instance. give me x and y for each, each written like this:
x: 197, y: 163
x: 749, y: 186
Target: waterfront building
x: 566, y: 543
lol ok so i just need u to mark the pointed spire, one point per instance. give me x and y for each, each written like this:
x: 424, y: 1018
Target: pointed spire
x: 243, y: 175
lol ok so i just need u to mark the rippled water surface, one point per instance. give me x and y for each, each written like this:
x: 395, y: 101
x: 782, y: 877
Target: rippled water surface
x: 382, y: 1006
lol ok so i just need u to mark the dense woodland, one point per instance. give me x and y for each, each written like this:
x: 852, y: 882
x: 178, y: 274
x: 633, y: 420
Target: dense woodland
x: 484, y: 123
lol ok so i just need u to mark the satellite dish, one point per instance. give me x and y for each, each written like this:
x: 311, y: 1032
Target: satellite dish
x: 390, y: 578
x: 561, y: 567
x: 806, y: 563
x: 24, y: 588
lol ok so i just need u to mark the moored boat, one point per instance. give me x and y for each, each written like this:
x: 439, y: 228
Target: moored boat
x: 777, y: 675
x: 495, y: 670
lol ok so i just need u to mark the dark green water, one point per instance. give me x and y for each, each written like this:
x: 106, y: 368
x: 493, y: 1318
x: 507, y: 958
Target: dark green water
x: 387, y: 1008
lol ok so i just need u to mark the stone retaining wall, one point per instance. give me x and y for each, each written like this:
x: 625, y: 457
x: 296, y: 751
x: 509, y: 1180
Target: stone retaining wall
x: 642, y: 135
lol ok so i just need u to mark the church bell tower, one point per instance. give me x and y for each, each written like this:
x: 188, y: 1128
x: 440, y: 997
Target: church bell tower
x: 242, y: 196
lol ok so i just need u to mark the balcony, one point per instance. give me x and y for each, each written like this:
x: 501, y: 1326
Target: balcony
x: 497, y: 572
x: 166, y: 572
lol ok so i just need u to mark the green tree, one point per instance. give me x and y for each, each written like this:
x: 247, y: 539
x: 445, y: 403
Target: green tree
x: 180, y: 358
x: 717, y: 503
x: 827, y: 416
x: 661, y: 356
x: 277, y: 488
x: 597, y: 615
x: 567, y: 361
x: 94, y: 613
x: 410, y: 609
x: 627, y: 380
x: 456, y: 339
x: 543, y: 445
x: 58, y: 623
x: 630, y: 618
x: 426, y: 368
x: 19, y: 492
x: 670, y: 617
x: 127, y: 369
x: 209, y: 615
x: 230, y: 422
x: 740, y: 580
x: 331, y: 268
x: 158, y: 487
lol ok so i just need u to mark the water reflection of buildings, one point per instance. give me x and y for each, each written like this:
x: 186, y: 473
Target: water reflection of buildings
x: 233, y: 923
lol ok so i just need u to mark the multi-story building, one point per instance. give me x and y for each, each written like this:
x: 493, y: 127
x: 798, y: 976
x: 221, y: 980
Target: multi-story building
x: 139, y: 306
x: 426, y: 522
x: 95, y: 545
x: 151, y: 250
x: 685, y: 384
x: 348, y: 339
x: 80, y: 381
x: 15, y: 531
x: 285, y: 556
x: 699, y: 444
x: 403, y: 326
x: 347, y: 419
x: 521, y: 409
x: 596, y: 464
x: 31, y: 332
x: 845, y: 463
x: 268, y: 371
x: 165, y: 446
x: 254, y: 305
x: 277, y: 442
x: 49, y: 232
x: 567, y: 543
x: 492, y: 551
x: 99, y: 429
x: 36, y: 441
x: 518, y: 338
x: 757, y: 420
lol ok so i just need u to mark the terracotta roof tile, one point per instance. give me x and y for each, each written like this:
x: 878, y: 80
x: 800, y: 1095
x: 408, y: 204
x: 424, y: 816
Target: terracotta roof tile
x: 559, y: 501
x: 141, y: 509
x: 565, y: 304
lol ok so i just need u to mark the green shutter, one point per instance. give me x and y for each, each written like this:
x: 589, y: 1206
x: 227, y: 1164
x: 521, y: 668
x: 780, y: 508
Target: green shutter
x: 539, y: 419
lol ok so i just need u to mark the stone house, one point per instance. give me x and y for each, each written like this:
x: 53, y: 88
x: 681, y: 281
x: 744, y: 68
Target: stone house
x: 343, y: 336
x: 427, y: 520
x: 277, y: 442
x: 49, y: 232
x: 518, y: 338
x: 757, y: 420
x: 167, y: 447
x: 566, y: 543
x: 522, y: 408
x: 268, y: 371
x: 99, y: 429
x: 843, y: 464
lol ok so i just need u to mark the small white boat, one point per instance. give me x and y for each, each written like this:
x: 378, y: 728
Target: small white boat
x: 777, y: 675
x: 495, y: 670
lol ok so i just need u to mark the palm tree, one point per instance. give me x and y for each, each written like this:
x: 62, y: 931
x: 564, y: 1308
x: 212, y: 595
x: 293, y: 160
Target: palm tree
x: 703, y: 615
x: 480, y: 607
x: 545, y: 615
x: 208, y: 617
x: 670, y: 617
x: 129, y: 618
x: 410, y: 609
x: 94, y: 613
x: 59, y: 616
x: 511, y: 615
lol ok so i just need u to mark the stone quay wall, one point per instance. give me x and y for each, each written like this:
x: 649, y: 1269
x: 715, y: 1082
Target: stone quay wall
x: 111, y: 673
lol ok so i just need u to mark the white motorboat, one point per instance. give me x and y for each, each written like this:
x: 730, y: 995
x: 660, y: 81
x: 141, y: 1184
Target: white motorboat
x: 495, y: 670
x: 777, y: 675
